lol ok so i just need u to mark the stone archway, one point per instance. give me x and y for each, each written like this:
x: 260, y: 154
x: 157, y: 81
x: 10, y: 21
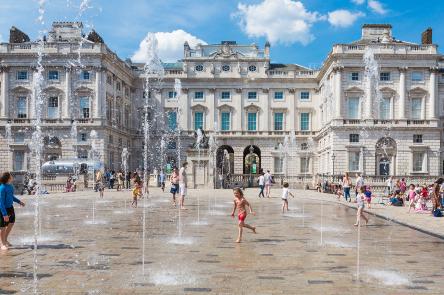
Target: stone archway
x: 252, y: 160
x: 386, y: 151
x: 225, y: 159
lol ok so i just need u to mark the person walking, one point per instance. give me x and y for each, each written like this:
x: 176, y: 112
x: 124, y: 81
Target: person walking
x: 346, y: 185
x: 268, y: 178
x: 261, y: 182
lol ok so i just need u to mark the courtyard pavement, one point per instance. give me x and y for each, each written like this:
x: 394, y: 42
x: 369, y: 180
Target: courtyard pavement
x: 89, y: 245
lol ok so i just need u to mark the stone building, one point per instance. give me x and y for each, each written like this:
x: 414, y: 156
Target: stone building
x: 380, y: 119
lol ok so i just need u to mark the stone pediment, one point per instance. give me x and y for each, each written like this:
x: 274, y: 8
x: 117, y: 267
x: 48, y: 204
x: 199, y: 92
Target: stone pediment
x: 387, y: 90
x: 225, y: 106
x: 83, y: 89
x: 418, y: 90
x: 354, y: 89
x: 52, y: 89
x: 198, y: 107
x: 252, y: 107
x: 20, y: 89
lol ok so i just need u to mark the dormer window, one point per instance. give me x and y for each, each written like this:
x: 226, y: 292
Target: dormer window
x: 199, y: 68
x: 252, y: 68
x: 226, y: 68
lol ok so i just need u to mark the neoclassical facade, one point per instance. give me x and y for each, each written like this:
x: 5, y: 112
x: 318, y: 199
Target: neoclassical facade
x: 379, y: 117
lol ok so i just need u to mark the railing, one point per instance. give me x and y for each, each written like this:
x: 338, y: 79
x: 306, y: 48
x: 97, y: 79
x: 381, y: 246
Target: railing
x: 352, y: 122
x: 386, y: 48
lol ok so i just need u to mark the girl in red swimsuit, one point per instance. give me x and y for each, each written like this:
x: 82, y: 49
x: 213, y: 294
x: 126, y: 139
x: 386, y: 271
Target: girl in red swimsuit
x: 240, y: 203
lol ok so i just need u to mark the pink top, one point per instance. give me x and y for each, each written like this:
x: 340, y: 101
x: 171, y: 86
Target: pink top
x: 412, y: 195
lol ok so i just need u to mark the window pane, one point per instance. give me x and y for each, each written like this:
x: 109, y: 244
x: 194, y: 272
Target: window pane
x: 418, y: 160
x: 279, y: 95
x: 198, y: 120
x: 252, y: 95
x: 278, y: 121
x: 384, y: 108
x: 225, y: 117
x: 252, y: 121
x: 355, y: 76
x: 172, y: 120
x: 353, y: 164
x: 85, y: 75
x: 417, y: 76
x: 225, y: 95
x: 305, y: 121
x: 305, y: 165
x: 84, y: 107
x: 198, y: 95
x: 305, y: 95
x: 19, y: 158
x: 172, y: 94
x: 353, y: 107
x: 21, y: 107
x: 53, y: 75
x: 278, y: 165
x: 22, y: 75
x: 384, y: 76
x: 416, y: 108
x: 53, y: 107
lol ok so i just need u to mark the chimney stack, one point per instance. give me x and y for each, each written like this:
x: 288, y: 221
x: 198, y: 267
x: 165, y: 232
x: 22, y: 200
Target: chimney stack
x: 426, y: 36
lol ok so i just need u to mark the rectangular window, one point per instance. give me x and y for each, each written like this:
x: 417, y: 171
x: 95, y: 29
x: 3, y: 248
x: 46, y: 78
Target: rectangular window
x: 172, y: 120
x: 416, y: 108
x: 252, y: 95
x: 305, y: 95
x: 21, y: 108
x: 384, y: 76
x: 353, y: 108
x: 354, y: 137
x: 278, y: 165
x: 353, y: 161
x: 118, y: 86
x: 109, y: 80
x: 53, y: 75
x: 305, y: 165
x: 252, y: 121
x: 354, y: 76
x: 84, y: 107
x: 417, y: 138
x: 172, y: 95
x: 198, y: 95
x: 278, y: 121
x: 86, y: 75
x: 225, y: 95
x: 418, y: 161
x: 109, y: 109
x: 22, y: 75
x: 19, y: 137
x: 53, y: 107
x: 279, y: 95
x: 83, y: 136
x: 225, y: 121
x: 19, y: 160
x: 171, y: 145
x: 417, y: 76
x: 305, y: 121
x: 198, y: 120
x: 384, y: 108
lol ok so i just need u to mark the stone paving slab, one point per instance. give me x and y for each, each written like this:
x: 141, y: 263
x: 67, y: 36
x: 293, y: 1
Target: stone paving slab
x: 310, y: 250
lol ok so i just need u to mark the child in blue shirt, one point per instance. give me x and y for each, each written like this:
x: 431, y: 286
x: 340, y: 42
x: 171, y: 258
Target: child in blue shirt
x: 7, y: 213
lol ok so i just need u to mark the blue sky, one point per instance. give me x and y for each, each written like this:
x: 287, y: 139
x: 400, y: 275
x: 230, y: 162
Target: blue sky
x: 301, y: 32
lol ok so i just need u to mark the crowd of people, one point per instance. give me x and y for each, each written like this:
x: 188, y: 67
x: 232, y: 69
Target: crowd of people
x: 420, y: 198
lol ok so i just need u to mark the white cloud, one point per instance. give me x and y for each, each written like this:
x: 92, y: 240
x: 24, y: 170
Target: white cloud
x: 280, y: 21
x: 170, y: 45
x: 343, y: 18
x: 358, y: 2
x: 377, y: 7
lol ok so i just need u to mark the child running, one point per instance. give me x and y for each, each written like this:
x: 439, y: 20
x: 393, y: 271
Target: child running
x: 240, y: 204
x: 368, y: 196
x: 412, y: 196
x: 137, y: 192
x: 285, y: 193
x: 360, y: 200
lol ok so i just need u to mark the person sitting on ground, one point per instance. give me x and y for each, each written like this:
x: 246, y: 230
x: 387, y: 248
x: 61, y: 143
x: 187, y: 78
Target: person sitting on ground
x: 396, y: 199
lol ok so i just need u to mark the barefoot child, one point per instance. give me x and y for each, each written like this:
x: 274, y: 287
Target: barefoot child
x: 240, y: 203
x: 7, y: 214
x: 137, y: 192
x: 360, y: 201
x: 412, y: 196
x: 368, y: 196
x: 285, y: 193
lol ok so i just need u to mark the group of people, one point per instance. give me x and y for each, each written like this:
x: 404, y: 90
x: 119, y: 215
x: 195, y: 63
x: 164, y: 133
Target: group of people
x: 265, y: 181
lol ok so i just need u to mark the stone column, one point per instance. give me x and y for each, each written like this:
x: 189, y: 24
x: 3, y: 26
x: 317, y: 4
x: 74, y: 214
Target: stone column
x: 99, y: 94
x: 338, y: 92
x: 392, y: 107
x: 211, y: 109
x: 402, y: 104
x: 185, y: 112
x: 239, y: 112
x: 291, y: 115
x: 4, y: 91
x: 433, y: 103
x: 265, y: 112
x: 68, y: 96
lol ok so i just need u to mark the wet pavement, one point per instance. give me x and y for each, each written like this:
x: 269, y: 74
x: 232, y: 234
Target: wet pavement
x: 89, y: 245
